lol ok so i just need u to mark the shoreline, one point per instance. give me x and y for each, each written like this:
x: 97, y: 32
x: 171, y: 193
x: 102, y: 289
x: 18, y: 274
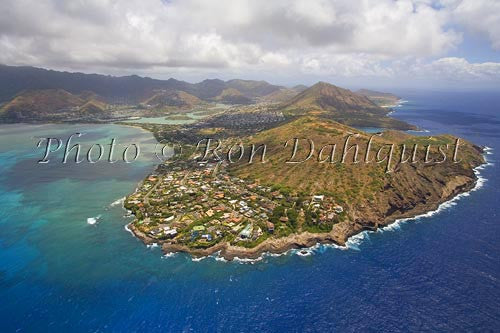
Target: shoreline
x: 341, y: 235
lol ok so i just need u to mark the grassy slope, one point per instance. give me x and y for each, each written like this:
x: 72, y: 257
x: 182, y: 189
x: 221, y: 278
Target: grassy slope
x: 37, y: 104
x: 365, y: 187
x: 342, y: 105
x: 173, y: 98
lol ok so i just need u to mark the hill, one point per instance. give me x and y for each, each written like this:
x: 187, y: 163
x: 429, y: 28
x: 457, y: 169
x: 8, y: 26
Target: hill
x: 370, y: 195
x: 380, y: 98
x: 252, y: 89
x: 43, y: 104
x: 283, y: 95
x: 341, y: 105
x: 93, y: 106
x: 179, y: 99
x: 232, y: 96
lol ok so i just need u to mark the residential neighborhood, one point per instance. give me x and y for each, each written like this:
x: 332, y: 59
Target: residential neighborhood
x: 199, y: 204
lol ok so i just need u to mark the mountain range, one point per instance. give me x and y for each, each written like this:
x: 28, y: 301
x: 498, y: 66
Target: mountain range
x: 35, y: 94
x: 125, y: 89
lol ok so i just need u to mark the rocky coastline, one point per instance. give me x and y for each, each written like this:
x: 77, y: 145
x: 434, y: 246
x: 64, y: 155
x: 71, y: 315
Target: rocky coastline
x: 339, y: 234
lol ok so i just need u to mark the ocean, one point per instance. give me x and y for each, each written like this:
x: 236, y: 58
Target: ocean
x: 60, y: 273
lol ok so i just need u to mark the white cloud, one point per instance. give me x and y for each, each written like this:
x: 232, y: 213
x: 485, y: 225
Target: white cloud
x: 319, y: 37
x: 162, y: 30
x: 459, y: 69
x: 478, y: 16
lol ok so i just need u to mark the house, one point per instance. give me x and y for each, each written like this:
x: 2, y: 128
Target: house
x: 284, y: 219
x: 338, y: 209
x: 247, y: 231
x: 155, y: 231
x: 219, y: 208
x: 318, y: 198
x: 270, y: 227
x: 171, y: 233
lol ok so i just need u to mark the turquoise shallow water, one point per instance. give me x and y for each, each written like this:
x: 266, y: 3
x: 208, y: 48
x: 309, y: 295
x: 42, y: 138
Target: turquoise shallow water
x: 60, y: 274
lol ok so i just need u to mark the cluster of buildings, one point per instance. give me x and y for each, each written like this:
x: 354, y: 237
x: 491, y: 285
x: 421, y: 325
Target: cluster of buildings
x: 201, y: 204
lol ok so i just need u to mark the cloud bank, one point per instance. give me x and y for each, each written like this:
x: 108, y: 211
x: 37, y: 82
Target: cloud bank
x: 341, y: 38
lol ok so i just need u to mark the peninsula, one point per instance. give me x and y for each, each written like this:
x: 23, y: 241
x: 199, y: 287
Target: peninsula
x: 296, y: 197
x: 241, y: 210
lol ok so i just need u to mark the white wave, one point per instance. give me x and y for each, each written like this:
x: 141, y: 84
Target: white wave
x: 128, y: 230
x: 304, y: 252
x: 117, y: 202
x: 401, y: 102
x: 488, y: 150
x: 196, y: 259
x: 391, y: 227
x: 169, y: 255
x: 152, y: 246
x: 270, y: 254
x: 423, y: 130
x: 398, y: 104
x: 220, y: 258
x: 324, y: 247
x: 248, y: 260
x: 93, y: 220
x: 317, y: 248
x: 353, y: 242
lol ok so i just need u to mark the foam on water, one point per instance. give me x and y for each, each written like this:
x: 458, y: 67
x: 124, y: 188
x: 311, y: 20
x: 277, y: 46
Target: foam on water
x: 354, y: 241
x: 196, y: 259
x: 117, y: 202
x: 169, y: 255
x: 128, y: 230
x: 93, y: 220
x: 248, y: 260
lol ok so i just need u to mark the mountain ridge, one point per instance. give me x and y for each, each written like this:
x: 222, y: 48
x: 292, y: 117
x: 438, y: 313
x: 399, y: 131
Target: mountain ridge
x: 342, y: 105
x: 130, y: 89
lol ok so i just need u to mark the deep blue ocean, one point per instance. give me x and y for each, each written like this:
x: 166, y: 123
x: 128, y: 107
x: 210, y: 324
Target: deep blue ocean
x: 59, y: 273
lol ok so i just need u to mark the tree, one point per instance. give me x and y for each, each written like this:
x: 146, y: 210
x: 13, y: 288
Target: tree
x: 292, y: 216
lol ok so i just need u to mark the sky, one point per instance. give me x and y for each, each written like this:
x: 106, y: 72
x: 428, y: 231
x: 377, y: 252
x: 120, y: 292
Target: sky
x: 430, y: 44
